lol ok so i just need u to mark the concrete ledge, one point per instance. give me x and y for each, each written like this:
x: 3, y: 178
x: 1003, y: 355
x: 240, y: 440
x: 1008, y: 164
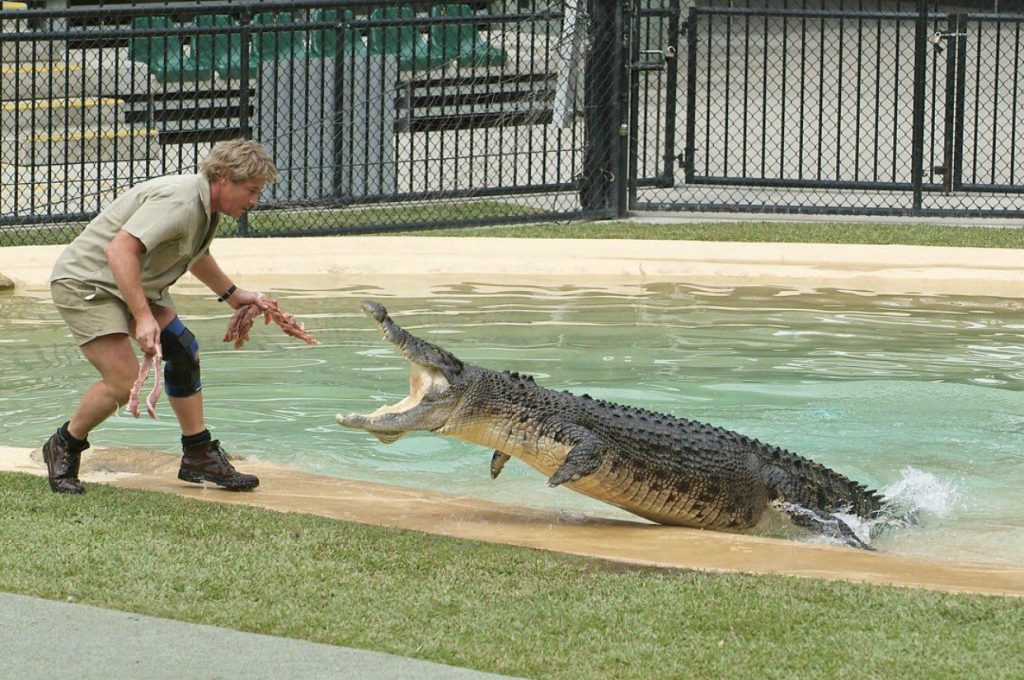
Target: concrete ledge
x: 83, y: 145
x: 325, y: 262
x: 46, y: 79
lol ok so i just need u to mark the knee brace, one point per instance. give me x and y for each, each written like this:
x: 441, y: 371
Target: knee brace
x: 181, y: 360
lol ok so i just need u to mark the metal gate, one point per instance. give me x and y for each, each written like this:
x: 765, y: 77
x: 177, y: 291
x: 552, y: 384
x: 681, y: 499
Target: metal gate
x: 983, y: 141
x: 802, y: 110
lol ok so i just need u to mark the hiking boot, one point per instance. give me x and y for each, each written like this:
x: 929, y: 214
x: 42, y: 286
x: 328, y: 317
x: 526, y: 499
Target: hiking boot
x: 62, y: 465
x: 207, y: 462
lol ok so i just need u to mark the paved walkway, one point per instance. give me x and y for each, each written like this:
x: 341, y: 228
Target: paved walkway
x: 51, y: 640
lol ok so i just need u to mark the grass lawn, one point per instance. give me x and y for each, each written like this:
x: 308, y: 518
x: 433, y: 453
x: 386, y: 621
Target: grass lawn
x: 490, y: 607
x: 296, y: 223
x: 768, y: 232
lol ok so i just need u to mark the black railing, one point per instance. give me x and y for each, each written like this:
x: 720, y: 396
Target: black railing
x: 388, y: 116
x: 819, y: 110
x: 379, y: 116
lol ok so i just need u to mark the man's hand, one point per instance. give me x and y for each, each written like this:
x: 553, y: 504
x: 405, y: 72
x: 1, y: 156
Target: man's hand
x: 147, y: 332
x: 242, y: 297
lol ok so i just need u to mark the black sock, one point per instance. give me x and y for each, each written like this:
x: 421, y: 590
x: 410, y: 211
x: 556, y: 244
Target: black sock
x: 75, y: 444
x: 195, y: 439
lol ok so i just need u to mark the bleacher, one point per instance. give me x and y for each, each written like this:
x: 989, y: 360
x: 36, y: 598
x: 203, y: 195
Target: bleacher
x: 53, y: 109
x: 448, y: 76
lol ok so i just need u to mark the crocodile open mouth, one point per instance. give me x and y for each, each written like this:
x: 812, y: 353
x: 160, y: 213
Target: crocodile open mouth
x: 423, y: 408
x: 422, y: 381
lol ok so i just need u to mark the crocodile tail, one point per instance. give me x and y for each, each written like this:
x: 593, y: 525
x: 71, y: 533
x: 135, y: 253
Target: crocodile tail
x: 813, y: 485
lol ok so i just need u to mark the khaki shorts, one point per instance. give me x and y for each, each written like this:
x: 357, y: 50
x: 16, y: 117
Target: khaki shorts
x: 89, y: 312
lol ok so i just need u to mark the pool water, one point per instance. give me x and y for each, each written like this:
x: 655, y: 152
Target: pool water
x: 917, y: 395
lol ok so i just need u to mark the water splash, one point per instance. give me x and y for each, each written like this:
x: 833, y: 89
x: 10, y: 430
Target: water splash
x: 909, y: 502
x: 921, y: 495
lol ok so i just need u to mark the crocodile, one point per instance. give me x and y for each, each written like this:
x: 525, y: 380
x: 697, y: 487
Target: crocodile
x: 660, y: 467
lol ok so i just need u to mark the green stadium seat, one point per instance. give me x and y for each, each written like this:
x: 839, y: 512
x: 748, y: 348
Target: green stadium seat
x: 324, y: 42
x: 462, y: 41
x: 277, y: 45
x: 405, y: 41
x: 222, y: 51
x: 165, y: 54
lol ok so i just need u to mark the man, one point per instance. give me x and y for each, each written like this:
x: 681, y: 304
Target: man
x: 111, y: 283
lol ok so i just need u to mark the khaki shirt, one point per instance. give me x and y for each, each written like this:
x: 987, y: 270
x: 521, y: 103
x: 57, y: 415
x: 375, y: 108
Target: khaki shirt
x: 170, y: 215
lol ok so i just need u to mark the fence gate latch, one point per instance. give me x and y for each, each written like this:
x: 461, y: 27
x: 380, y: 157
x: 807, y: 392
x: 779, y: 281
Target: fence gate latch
x: 657, y: 64
x: 939, y: 36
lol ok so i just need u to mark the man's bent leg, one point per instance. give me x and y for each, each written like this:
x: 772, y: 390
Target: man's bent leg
x: 113, y: 357
x: 182, y: 381
x: 203, y: 459
x: 189, y: 411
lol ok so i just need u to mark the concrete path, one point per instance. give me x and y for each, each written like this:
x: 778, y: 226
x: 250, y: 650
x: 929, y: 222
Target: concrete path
x: 51, y: 640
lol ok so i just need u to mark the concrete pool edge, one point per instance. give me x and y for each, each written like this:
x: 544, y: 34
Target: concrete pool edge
x: 286, y: 489
x: 325, y: 261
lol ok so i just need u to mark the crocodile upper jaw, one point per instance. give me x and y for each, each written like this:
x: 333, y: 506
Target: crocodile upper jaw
x: 432, y: 394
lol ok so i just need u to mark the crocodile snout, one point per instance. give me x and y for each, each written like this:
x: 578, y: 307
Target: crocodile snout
x: 374, y: 310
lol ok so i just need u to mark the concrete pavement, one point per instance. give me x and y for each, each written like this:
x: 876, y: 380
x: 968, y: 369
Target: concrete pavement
x: 47, y: 640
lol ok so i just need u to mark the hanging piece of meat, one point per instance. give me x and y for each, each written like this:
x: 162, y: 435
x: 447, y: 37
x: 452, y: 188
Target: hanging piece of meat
x: 241, y: 323
x: 150, y: 362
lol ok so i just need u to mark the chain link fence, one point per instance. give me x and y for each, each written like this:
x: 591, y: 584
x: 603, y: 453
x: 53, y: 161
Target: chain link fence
x: 816, y: 107
x: 380, y: 117
x: 389, y: 116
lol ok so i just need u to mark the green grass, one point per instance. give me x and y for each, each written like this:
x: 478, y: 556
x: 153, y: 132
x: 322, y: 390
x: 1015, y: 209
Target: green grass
x: 273, y: 222
x: 296, y: 222
x: 768, y: 232
x: 299, y: 222
x: 489, y: 607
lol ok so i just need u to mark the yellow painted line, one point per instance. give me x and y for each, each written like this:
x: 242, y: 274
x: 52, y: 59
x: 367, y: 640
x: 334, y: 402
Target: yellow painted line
x: 85, y: 102
x: 9, y: 69
x: 92, y: 135
x: 14, y: 5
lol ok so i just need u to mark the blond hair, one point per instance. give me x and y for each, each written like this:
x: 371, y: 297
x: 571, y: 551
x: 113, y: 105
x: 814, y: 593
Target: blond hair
x: 239, y: 160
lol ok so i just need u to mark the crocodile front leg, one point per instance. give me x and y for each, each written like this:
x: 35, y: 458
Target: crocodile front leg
x: 584, y: 457
x: 498, y: 461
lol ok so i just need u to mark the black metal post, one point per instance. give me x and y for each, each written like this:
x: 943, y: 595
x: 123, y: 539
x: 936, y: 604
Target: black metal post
x: 625, y: 20
x: 691, y: 91
x: 243, y: 117
x: 601, y: 102
x: 632, y: 36
x: 949, y: 132
x: 671, y: 82
x: 920, y: 74
x: 960, y: 42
